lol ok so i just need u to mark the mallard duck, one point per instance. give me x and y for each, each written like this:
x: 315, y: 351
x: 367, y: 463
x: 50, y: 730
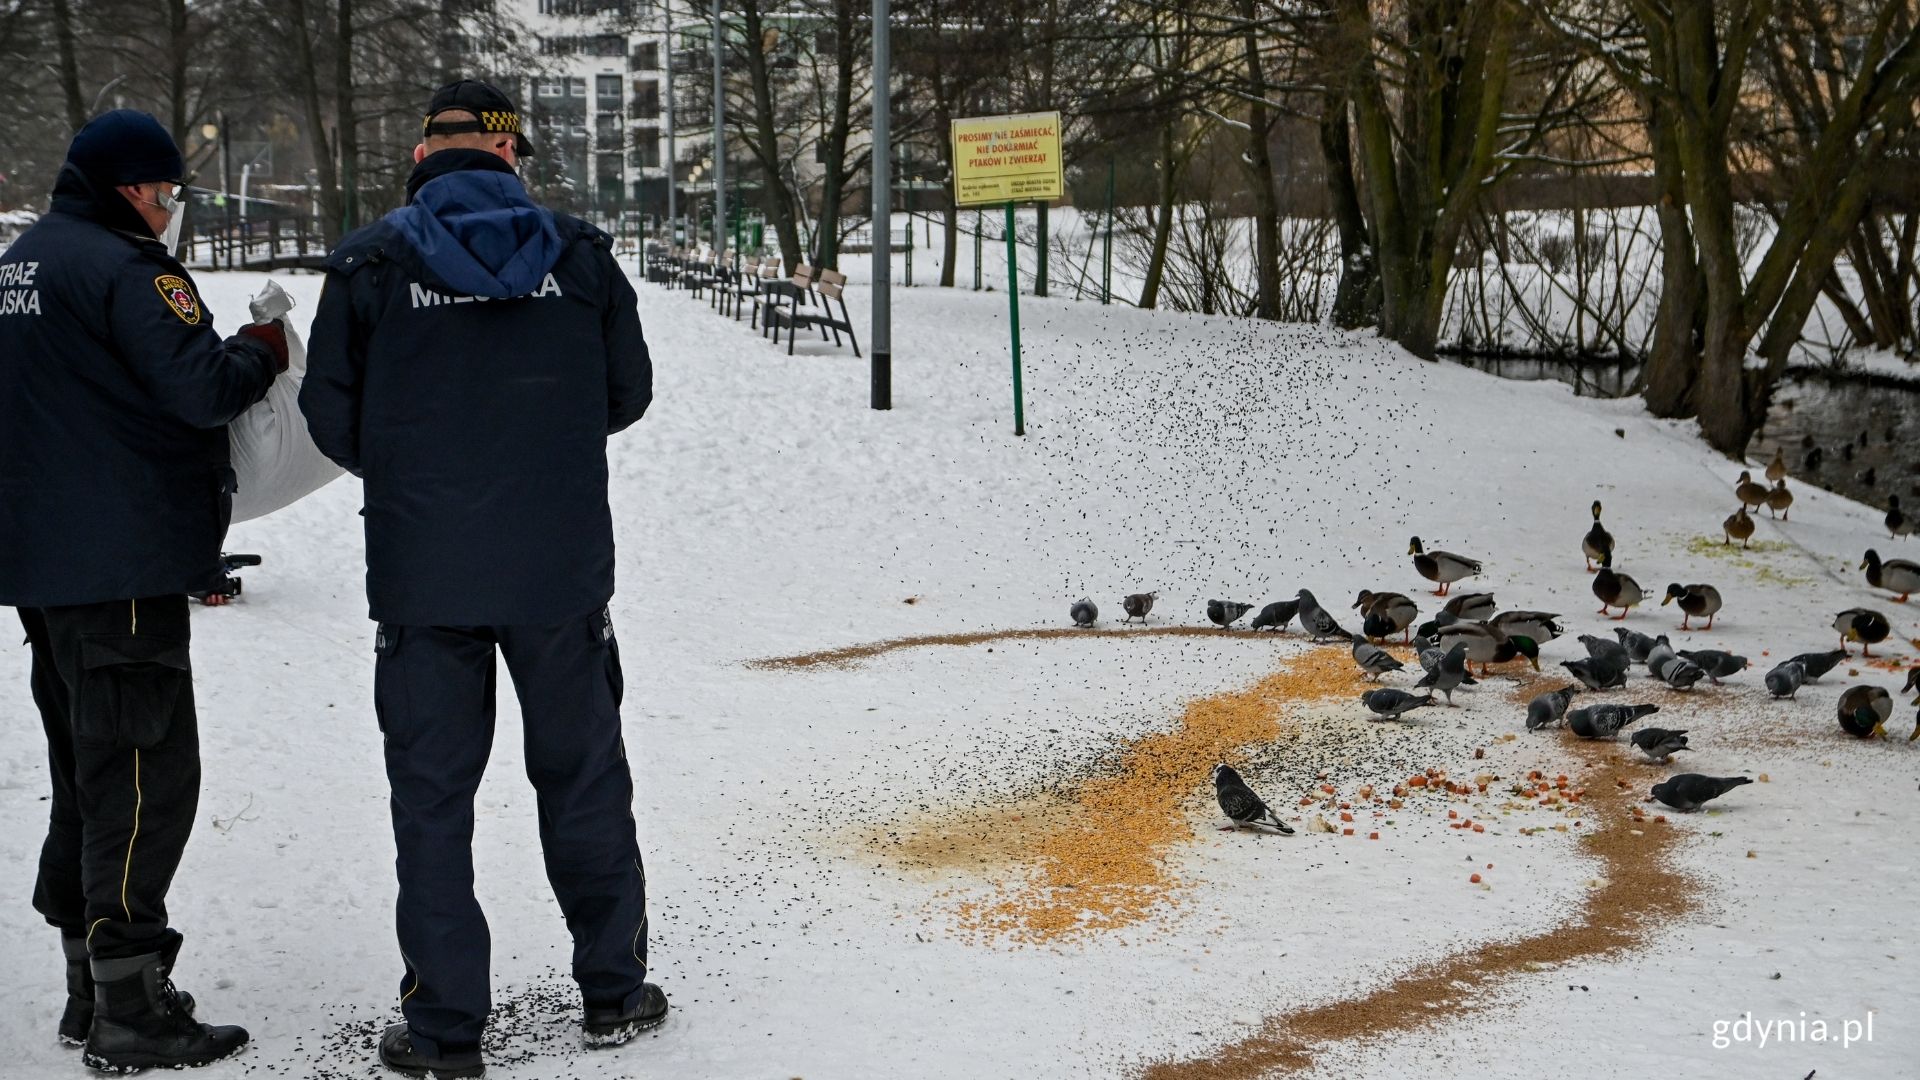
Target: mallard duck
x: 1476, y: 606
x: 1615, y: 590
x: 1696, y: 602
x: 1779, y: 499
x: 1913, y: 682
x: 1863, y: 625
x: 1441, y: 567
x: 1751, y: 495
x: 1538, y: 625
x: 1864, y: 711
x: 1737, y: 527
x: 1898, y: 523
x: 1485, y: 645
x: 1598, y: 543
x: 1895, y: 575
x: 1777, y: 468
x: 1384, y: 614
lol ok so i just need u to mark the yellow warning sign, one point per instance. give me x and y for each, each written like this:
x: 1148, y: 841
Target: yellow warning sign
x: 998, y: 159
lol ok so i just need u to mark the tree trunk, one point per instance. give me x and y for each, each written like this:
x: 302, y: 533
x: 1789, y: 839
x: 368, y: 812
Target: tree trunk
x: 69, y: 65
x: 833, y: 188
x: 1673, y: 364
x: 1266, y: 201
x: 949, y: 240
x: 331, y: 211
x: 1356, y: 300
x: 776, y: 199
x: 343, y: 97
x: 1162, y: 222
x: 179, y: 50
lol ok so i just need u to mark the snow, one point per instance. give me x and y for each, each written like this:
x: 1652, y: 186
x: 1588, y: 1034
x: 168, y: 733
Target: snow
x: 763, y: 509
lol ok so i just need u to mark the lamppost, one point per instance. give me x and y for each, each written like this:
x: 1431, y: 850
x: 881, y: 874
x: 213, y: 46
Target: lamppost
x: 880, y: 155
x: 719, y: 144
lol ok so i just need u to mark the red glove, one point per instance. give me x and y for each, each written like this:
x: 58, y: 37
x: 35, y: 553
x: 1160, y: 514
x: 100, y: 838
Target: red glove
x: 273, y: 336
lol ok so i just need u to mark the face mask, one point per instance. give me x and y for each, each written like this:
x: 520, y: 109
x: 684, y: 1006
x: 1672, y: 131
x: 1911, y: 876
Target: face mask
x: 169, y: 200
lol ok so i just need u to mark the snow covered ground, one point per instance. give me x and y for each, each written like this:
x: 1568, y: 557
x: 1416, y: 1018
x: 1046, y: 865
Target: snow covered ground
x: 764, y: 510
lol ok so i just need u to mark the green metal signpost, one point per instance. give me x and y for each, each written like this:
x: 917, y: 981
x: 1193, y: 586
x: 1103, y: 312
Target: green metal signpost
x: 1013, y: 310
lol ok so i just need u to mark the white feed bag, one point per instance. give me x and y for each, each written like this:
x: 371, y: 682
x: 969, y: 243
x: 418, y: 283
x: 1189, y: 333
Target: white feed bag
x: 274, y: 459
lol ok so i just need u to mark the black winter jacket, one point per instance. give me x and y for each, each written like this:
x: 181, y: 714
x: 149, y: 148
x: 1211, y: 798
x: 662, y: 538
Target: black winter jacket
x: 471, y: 353
x: 115, y: 392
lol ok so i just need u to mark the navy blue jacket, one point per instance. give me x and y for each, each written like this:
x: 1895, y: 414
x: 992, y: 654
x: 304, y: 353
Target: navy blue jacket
x: 115, y: 392
x: 471, y: 353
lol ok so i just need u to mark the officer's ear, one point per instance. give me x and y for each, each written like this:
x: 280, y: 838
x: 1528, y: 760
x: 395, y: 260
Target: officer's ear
x: 419, y: 153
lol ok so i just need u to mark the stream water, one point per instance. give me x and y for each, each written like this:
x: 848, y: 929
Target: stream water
x: 1853, y: 433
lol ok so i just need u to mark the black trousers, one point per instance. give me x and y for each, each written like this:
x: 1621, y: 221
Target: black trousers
x: 434, y: 693
x: 115, y: 691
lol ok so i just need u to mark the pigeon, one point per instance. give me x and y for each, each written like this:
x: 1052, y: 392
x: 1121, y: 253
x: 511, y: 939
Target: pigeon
x: 1224, y: 613
x: 1816, y: 664
x: 1239, y: 803
x: 1598, y: 672
x: 1474, y: 607
x: 1449, y: 673
x: 1688, y: 791
x: 1373, y: 659
x: 1614, y: 652
x: 1315, y: 620
x: 1637, y: 644
x: 1276, y: 616
x: 1677, y: 671
x: 1430, y: 657
x: 1390, y: 703
x: 1786, y: 678
x: 1661, y: 652
x: 1138, y: 605
x: 1660, y: 744
x: 1605, y: 721
x: 1549, y: 708
x: 1718, y: 665
x: 1084, y: 613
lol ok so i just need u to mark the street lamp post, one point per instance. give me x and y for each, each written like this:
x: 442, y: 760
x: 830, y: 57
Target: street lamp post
x: 881, y: 155
x: 719, y: 145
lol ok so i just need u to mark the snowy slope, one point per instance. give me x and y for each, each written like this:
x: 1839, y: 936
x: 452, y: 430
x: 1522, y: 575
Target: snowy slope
x: 763, y: 510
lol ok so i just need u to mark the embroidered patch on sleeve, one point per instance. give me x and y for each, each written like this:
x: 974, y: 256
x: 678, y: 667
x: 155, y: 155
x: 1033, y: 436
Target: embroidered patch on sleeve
x: 179, y: 296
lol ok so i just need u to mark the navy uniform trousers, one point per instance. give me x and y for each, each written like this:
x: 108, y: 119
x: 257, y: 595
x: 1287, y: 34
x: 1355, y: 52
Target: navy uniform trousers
x: 434, y: 693
x: 115, y: 690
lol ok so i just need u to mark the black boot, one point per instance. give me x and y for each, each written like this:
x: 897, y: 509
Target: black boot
x: 141, y: 1022
x: 78, y: 1016
x: 609, y: 1027
x: 397, y: 1053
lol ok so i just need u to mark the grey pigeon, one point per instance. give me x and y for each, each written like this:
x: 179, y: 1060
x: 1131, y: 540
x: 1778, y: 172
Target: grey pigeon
x: 1675, y: 670
x: 1786, y: 678
x: 1430, y: 657
x: 1688, y: 791
x: 1637, y: 644
x: 1239, y: 803
x: 1549, y: 708
x: 1660, y: 743
x: 1373, y: 659
x: 1084, y: 612
x: 1817, y: 664
x: 1277, y: 615
x: 1224, y: 613
x: 1615, y: 652
x: 1659, y: 653
x: 1391, y: 703
x: 1137, y: 605
x: 1449, y: 673
x: 1718, y: 665
x: 1315, y: 620
x: 1598, y: 672
x: 1605, y: 721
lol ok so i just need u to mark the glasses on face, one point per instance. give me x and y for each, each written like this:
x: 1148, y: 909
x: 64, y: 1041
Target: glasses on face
x: 168, y: 197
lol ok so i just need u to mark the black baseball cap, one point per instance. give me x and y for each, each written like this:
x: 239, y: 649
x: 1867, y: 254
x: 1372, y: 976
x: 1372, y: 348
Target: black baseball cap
x: 495, y: 110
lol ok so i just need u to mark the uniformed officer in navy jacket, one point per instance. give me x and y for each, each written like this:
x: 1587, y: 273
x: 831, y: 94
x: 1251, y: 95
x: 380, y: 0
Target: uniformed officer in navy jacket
x: 115, y: 491
x: 471, y: 354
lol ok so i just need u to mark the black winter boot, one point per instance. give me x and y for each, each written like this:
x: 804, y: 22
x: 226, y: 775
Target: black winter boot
x: 454, y: 1063
x: 78, y: 1016
x: 610, y: 1027
x: 141, y: 1022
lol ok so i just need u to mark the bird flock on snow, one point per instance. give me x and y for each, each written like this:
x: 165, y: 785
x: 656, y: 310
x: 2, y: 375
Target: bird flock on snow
x: 1470, y: 630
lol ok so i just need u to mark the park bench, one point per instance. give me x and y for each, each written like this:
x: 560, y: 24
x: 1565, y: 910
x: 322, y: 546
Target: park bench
x: 830, y: 289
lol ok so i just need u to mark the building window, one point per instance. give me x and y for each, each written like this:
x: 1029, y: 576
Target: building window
x: 606, y: 92
x: 606, y: 130
x: 646, y: 99
x: 646, y: 148
x: 552, y: 88
x: 646, y: 56
x: 577, y: 87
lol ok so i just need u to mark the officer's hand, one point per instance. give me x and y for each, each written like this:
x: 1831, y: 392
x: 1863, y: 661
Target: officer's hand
x: 273, y: 336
